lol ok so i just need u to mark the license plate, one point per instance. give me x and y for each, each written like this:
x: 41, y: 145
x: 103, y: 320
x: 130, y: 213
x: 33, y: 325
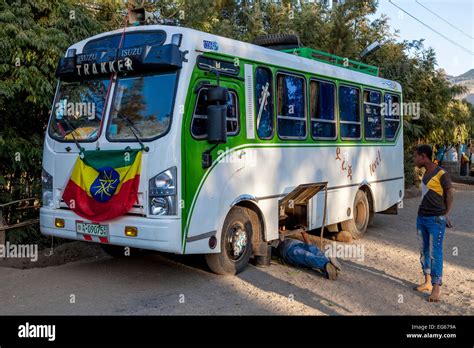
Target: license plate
x: 92, y: 229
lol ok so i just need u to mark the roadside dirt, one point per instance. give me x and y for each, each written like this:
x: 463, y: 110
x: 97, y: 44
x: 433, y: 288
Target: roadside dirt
x: 62, y: 254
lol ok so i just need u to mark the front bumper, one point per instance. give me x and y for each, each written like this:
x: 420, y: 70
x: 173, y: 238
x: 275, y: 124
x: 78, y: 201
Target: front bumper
x: 163, y: 234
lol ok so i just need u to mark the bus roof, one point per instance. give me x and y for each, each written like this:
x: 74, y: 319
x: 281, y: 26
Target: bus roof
x: 204, y: 42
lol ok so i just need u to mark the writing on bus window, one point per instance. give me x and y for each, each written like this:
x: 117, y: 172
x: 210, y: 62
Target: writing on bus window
x: 264, y: 105
x: 372, y: 115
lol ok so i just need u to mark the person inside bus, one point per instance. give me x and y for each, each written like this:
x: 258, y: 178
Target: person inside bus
x: 432, y: 220
x: 304, y: 254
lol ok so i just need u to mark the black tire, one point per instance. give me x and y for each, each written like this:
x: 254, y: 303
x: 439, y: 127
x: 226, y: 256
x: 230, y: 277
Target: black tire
x: 120, y: 251
x: 237, y: 224
x: 371, y: 207
x: 357, y: 226
x: 278, y: 41
x: 371, y: 219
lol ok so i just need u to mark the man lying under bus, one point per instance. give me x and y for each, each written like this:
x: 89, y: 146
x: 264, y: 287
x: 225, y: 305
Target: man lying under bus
x: 304, y: 254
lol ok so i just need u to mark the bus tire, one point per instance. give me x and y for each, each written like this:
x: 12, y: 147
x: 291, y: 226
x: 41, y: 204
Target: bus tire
x: 371, y: 219
x: 357, y: 226
x: 278, y: 41
x: 236, y: 244
x: 120, y: 251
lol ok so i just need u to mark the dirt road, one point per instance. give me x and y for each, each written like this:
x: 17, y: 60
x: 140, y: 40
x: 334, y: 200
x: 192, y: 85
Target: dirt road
x: 381, y: 283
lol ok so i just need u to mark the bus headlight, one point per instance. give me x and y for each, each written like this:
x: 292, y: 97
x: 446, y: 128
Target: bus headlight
x: 160, y: 206
x: 47, y: 189
x: 162, y: 193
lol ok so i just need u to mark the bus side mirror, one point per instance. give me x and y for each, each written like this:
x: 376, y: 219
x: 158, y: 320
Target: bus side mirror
x: 217, y: 115
x: 217, y: 94
x: 217, y: 124
x: 216, y: 121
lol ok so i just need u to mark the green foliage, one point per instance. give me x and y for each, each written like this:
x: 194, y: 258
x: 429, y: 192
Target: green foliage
x: 34, y: 34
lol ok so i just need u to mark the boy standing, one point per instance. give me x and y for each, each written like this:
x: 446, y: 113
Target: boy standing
x: 436, y: 203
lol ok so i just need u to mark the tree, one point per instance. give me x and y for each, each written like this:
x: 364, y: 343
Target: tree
x: 34, y: 34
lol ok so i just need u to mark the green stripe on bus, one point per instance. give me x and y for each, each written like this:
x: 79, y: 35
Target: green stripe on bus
x: 193, y: 177
x: 187, y: 221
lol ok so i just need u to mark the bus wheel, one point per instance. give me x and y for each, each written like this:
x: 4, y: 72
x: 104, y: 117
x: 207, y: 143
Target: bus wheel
x: 236, y: 244
x: 357, y: 226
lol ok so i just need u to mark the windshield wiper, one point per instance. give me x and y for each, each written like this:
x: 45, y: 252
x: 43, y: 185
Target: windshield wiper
x: 72, y: 134
x: 132, y: 128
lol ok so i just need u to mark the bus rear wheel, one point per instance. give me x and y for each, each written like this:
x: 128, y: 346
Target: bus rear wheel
x: 357, y: 226
x: 236, y: 244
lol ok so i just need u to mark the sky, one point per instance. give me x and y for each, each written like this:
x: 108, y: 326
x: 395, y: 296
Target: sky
x: 459, y: 13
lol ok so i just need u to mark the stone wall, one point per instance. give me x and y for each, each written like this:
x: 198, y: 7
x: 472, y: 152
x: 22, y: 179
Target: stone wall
x: 453, y: 168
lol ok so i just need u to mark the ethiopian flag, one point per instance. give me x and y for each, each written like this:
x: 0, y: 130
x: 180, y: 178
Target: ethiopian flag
x: 104, y: 184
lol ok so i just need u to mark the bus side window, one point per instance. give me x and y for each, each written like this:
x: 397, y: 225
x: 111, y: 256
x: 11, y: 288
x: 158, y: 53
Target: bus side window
x: 349, y: 112
x: 264, y: 103
x: 291, y: 109
x: 199, y: 121
x: 372, y: 115
x: 322, y: 110
x: 392, y: 115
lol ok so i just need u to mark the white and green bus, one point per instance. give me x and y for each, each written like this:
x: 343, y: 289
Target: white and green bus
x: 230, y: 130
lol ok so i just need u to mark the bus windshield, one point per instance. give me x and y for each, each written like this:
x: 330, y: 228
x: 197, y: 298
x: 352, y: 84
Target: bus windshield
x: 144, y: 104
x: 140, y: 104
x: 77, y: 111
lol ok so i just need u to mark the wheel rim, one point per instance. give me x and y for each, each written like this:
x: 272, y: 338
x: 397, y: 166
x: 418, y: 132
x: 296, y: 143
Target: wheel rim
x: 360, y: 215
x: 237, y: 242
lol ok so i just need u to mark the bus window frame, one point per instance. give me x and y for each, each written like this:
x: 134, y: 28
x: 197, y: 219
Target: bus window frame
x: 220, y: 60
x: 272, y: 98
x: 85, y: 50
x: 311, y: 119
x: 349, y: 122
x: 112, y: 102
x: 305, y: 108
x: 399, y: 120
x: 102, y: 123
x: 204, y: 137
x: 382, y: 132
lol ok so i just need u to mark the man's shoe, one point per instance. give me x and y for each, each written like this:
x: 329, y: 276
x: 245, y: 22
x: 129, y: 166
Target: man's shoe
x: 336, y: 263
x: 331, y: 271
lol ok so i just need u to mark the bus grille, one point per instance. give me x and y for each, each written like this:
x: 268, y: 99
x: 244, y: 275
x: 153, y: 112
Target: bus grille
x: 138, y: 208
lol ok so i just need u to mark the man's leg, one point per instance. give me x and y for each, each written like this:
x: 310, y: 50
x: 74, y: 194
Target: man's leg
x: 313, y: 249
x: 436, y: 228
x: 301, y: 256
x: 423, y: 237
x: 331, y: 267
